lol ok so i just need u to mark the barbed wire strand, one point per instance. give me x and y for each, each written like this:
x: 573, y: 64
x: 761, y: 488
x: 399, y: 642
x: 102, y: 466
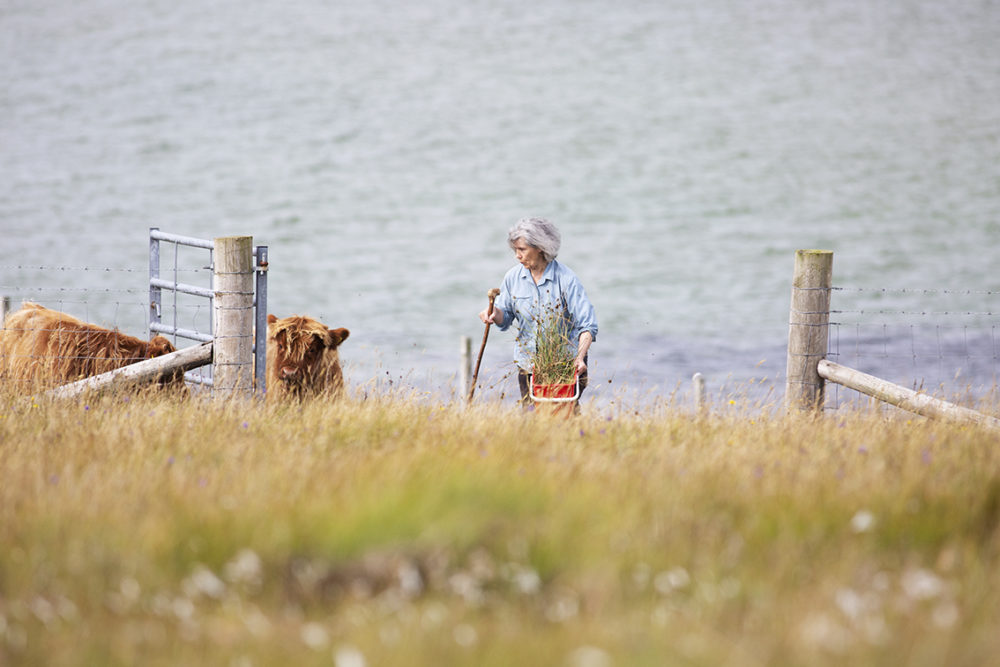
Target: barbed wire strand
x: 909, y: 290
x: 96, y: 269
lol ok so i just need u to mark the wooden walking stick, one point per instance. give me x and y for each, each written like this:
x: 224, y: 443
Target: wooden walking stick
x: 492, y: 294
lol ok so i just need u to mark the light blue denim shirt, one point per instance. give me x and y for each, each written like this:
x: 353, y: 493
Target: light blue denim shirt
x: 559, y: 290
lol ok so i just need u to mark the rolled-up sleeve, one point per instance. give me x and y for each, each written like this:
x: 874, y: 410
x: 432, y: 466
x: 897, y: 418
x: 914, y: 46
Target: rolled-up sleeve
x: 505, y: 303
x: 580, y: 308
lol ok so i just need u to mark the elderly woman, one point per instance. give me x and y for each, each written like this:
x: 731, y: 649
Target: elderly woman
x: 538, y: 287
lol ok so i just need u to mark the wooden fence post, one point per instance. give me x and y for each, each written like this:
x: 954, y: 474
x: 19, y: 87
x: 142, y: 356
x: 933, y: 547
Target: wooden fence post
x: 4, y: 309
x: 465, y: 366
x: 700, y: 396
x: 232, y: 281
x: 808, y: 328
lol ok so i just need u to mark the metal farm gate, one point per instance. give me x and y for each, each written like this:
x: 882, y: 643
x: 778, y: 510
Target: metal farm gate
x: 201, y: 329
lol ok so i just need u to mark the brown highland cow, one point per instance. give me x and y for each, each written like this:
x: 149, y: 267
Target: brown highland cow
x: 302, y: 357
x: 42, y: 348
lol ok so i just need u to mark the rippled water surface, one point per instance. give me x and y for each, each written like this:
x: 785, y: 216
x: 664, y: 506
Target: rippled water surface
x: 381, y: 150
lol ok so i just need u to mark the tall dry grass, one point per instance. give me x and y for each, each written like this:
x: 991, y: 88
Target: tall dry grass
x: 138, y: 529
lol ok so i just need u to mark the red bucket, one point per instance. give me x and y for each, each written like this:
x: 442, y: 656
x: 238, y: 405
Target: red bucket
x: 556, y: 398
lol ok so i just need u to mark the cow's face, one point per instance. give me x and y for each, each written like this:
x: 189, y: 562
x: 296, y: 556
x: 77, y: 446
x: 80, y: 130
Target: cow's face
x: 159, y: 346
x: 302, y: 352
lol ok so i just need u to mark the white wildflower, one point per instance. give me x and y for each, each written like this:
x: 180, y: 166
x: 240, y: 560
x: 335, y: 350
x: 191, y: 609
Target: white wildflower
x: 921, y: 584
x: 244, y: 568
x: 130, y: 589
x: 433, y: 616
x: 315, y: 636
x: 945, y: 614
x: 862, y: 521
x: 589, y: 656
x: 203, y: 582
x: 411, y: 582
x: 562, y: 608
x: 823, y: 632
x: 526, y: 580
x: 671, y: 580
x: 850, y: 603
x: 467, y: 587
x: 255, y: 621
x: 465, y: 635
x: 182, y: 608
x: 874, y: 629
x: 43, y: 610
x: 348, y: 656
x: 161, y: 605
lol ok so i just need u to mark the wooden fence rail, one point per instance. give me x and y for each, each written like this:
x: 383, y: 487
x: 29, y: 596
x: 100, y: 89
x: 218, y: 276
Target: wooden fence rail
x: 143, y: 371
x: 901, y: 397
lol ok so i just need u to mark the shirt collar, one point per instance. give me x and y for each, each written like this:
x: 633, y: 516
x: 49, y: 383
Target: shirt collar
x: 548, y: 274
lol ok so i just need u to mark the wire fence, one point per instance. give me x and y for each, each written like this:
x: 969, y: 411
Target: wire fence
x: 113, y: 298
x: 944, y: 342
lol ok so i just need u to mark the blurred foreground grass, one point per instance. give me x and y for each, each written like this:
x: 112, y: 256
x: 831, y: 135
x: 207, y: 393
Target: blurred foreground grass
x: 141, y: 530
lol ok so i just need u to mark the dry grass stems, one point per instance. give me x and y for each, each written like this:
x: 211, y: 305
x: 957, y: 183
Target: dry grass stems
x: 554, y: 353
x: 140, y: 529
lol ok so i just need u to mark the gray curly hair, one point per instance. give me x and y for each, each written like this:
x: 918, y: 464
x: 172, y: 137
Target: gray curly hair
x: 538, y: 233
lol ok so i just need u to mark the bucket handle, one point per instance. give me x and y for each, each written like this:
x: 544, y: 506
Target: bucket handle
x: 546, y: 399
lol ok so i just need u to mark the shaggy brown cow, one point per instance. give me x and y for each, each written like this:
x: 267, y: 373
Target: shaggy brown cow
x: 42, y: 348
x: 302, y: 357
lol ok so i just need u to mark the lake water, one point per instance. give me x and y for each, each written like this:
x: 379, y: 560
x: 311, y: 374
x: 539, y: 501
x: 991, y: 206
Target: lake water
x: 382, y: 149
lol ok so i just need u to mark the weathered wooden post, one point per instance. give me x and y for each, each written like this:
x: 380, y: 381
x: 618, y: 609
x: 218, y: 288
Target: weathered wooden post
x: 808, y: 328
x: 4, y: 309
x: 465, y: 366
x: 700, y: 395
x: 233, y: 317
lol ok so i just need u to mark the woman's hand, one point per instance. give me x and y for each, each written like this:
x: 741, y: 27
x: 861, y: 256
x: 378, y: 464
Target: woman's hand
x: 486, y: 318
x: 581, y: 367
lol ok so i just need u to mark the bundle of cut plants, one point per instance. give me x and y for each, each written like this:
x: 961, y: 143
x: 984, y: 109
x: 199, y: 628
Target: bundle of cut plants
x: 554, y: 381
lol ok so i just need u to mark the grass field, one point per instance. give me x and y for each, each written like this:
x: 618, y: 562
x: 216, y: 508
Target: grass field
x: 144, y: 530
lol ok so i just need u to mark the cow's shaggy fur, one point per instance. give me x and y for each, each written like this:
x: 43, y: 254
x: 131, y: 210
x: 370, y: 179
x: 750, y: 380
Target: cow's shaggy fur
x: 42, y: 348
x: 302, y: 357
